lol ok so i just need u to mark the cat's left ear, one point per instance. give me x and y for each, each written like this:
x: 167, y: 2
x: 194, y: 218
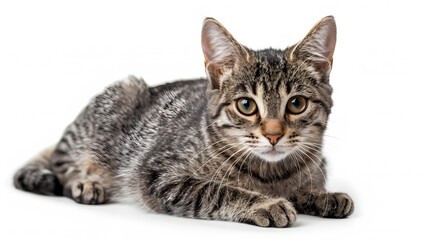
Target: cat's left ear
x: 317, y: 48
x: 222, y: 53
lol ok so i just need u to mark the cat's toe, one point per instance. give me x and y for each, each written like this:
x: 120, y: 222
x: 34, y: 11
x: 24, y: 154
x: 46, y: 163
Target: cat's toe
x: 338, y: 205
x: 273, y: 213
x: 86, y: 192
x: 346, y: 205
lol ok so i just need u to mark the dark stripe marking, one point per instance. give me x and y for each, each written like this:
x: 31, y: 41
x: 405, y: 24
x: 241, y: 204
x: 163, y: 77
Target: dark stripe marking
x: 323, y: 104
x: 219, y: 109
x: 198, y: 201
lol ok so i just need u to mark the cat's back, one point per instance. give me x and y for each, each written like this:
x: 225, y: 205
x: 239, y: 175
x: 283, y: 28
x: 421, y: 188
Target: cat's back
x: 131, y: 101
x: 129, y: 114
x: 178, y: 101
x: 172, y: 115
x: 194, y: 86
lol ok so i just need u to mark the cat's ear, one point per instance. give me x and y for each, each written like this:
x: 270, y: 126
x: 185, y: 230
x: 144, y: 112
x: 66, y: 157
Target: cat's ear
x: 222, y: 53
x: 318, y: 46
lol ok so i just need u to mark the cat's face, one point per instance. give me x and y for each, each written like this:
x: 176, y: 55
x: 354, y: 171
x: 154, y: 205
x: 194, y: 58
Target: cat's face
x: 270, y: 103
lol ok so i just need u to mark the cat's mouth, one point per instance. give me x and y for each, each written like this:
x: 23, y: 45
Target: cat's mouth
x: 272, y: 154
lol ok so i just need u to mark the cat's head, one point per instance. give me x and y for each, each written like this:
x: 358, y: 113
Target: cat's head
x: 272, y: 103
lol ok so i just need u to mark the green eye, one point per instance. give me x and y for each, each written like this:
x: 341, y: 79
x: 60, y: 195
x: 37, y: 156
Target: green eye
x: 296, y: 105
x: 246, y: 106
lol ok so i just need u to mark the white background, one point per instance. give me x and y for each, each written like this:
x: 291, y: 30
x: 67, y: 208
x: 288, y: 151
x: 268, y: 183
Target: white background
x: 55, y: 55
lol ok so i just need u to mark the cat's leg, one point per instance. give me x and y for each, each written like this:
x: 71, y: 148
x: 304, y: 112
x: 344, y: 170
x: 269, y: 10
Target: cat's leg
x: 37, y: 176
x: 81, y: 164
x: 83, y: 179
x: 324, y: 204
x: 84, y: 160
x: 191, y: 197
x: 312, y: 198
x: 58, y: 171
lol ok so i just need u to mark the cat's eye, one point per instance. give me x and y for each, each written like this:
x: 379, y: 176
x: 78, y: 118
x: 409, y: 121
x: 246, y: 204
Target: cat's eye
x: 246, y: 106
x: 296, y: 105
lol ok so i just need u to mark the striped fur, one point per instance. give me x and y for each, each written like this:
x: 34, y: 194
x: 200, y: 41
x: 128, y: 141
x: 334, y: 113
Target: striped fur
x: 183, y: 148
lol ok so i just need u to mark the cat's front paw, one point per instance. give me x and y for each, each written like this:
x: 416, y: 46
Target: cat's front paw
x: 272, y: 213
x: 336, y: 205
x: 86, y: 192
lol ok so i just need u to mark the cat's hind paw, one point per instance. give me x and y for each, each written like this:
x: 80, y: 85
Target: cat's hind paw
x: 86, y: 192
x: 37, y: 180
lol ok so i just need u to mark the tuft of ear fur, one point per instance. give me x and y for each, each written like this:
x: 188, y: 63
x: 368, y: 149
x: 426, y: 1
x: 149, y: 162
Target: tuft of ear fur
x: 222, y: 53
x: 318, y: 46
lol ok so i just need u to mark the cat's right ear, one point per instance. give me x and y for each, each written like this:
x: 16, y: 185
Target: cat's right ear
x: 222, y: 53
x: 317, y: 48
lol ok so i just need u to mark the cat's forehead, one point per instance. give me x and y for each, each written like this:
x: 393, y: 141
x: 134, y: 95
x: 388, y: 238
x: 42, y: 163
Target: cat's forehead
x: 269, y: 71
x: 270, y: 74
x: 269, y: 57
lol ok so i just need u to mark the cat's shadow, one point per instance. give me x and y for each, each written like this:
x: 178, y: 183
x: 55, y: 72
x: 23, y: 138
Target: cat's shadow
x: 133, y: 213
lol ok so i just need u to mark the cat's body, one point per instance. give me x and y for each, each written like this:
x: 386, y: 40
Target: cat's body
x: 244, y: 145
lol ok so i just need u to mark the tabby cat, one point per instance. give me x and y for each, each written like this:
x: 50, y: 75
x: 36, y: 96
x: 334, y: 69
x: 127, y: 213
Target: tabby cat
x: 243, y: 145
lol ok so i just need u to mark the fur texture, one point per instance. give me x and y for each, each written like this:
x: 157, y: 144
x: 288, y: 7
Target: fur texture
x: 243, y: 145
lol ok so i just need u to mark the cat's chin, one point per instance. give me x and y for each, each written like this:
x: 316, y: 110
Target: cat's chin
x: 272, y: 155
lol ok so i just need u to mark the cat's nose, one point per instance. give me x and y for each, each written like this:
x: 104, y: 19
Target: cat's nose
x: 274, y: 139
x: 272, y: 129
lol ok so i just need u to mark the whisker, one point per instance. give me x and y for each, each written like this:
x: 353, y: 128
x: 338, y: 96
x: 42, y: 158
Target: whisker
x: 229, y: 171
x: 241, y: 166
x: 305, y: 151
x: 209, y: 146
x: 316, y: 149
x: 296, y: 162
x: 252, y: 158
x: 308, y: 169
x: 214, y: 155
x: 321, y: 171
x: 220, y: 168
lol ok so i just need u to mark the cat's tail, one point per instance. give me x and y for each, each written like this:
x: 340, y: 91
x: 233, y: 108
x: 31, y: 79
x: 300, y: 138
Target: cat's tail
x: 36, y: 176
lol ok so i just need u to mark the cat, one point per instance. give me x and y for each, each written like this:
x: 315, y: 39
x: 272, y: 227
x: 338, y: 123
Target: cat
x: 242, y: 145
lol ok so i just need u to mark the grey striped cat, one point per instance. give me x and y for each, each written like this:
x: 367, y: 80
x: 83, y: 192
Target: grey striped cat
x: 243, y: 145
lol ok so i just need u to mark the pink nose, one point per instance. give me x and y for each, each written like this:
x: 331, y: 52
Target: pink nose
x: 273, y: 138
